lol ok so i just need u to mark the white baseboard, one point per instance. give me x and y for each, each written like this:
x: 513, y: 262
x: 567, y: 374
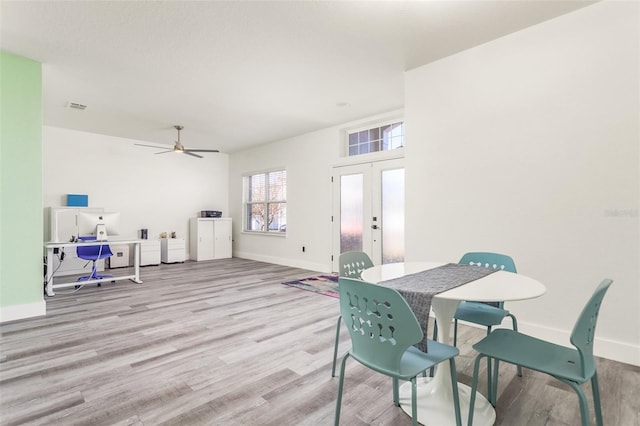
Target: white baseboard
x: 604, y: 348
x: 17, y: 312
x: 293, y: 263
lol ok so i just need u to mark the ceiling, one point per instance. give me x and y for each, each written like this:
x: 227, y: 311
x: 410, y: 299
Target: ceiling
x: 242, y: 73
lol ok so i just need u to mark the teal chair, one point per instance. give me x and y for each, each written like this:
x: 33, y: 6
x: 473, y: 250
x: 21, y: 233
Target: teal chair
x: 351, y: 264
x: 571, y: 366
x: 486, y: 314
x: 383, y: 330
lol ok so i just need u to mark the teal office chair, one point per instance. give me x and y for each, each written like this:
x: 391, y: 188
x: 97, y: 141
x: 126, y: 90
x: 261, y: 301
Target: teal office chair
x: 352, y: 263
x: 571, y: 366
x: 383, y: 330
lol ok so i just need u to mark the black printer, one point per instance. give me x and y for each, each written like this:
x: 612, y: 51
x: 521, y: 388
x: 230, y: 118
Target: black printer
x: 210, y: 213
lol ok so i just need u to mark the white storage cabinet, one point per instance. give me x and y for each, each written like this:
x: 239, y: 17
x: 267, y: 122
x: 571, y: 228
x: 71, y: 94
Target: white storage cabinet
x: 120, y: 258
x: 149, y: 252
x: 210, y: 238
x: 172, y: 250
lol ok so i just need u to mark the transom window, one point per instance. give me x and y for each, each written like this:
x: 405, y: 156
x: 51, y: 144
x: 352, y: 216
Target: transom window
x: 382, y: 138
x: 266, y: 202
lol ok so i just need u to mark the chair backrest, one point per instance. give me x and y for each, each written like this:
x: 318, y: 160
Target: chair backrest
x: 96, y: 252
x: 352, y: 263
x: 585, y: 328
x: 381, y: 323
x: 490, y: 260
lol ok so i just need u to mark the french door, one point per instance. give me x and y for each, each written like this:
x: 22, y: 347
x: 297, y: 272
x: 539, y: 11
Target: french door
x: 368, y: 210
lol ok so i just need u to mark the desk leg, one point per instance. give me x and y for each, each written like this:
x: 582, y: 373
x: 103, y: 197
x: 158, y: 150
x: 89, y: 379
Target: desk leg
x: 136, y: 263
x: 435, y: 396
x: 49, y: 275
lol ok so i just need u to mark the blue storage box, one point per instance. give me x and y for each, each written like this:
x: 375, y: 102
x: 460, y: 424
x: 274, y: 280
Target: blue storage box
x: 77, y: 200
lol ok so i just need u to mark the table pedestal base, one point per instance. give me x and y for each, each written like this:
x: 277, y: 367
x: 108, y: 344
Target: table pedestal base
x: 436, y: 407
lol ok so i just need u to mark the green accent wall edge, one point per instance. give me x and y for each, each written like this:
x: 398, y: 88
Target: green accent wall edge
x: 21, y: 212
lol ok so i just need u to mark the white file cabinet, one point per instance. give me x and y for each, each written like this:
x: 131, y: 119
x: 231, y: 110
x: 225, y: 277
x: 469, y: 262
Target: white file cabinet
x: 210, y: 238
x: 120, y: 258
x: 150, y: 252
x: 172, y: 250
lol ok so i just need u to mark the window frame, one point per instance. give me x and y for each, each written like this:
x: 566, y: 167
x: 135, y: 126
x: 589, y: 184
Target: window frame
x: 372, y: 125
x: 246, y: 203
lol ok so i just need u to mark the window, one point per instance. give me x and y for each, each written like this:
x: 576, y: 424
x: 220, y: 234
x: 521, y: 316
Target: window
x: 266, y: 202
x: 383, y: 138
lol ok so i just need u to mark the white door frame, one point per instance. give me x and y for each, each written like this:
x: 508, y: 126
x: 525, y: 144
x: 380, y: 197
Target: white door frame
x: 372, y: 204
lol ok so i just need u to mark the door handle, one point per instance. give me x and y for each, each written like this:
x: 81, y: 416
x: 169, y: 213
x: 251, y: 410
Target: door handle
x: 374, y: 226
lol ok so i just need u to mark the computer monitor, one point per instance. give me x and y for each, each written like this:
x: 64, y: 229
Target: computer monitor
x: 98, y: 225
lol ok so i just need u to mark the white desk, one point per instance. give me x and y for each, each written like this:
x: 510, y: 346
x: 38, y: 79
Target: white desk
x: 435, y: 397
x: 50, y: 246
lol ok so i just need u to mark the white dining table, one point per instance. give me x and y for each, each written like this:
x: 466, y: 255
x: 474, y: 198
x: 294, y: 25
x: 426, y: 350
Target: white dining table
x: 435, y: 396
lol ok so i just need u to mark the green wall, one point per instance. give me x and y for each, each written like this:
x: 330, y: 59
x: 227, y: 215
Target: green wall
x: 21, y: 217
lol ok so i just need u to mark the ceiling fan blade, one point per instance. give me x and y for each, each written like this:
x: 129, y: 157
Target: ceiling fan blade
x: 178, y: 147
x: 188, y: 152
x: 152, y: 146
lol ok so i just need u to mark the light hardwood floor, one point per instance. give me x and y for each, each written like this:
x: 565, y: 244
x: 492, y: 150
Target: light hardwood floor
x: 225, y: 343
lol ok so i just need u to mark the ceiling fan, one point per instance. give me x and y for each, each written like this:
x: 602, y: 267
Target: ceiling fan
x: 178, y: 147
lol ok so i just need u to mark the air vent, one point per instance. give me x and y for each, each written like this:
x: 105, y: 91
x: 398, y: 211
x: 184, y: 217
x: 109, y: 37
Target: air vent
x: 76, y: 105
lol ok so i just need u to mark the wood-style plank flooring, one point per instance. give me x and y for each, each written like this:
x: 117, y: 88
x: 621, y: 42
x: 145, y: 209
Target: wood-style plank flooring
x: 225, y: 343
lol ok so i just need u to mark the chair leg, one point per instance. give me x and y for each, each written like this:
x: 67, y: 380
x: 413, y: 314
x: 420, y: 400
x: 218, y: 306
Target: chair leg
x: 340, y: 386
x: 474, y: 388
x: 584, y: 408
x: 493, y: 396
x: 489, y: 388
x: 414, y: 402
x: 596, y: 399
x: 435, y: 337
x: 93, y: 275
x: 98, y: 276
x: 515, y: 328
x: 396, y: 392
x: 435, y: 330
x: 335, y: 347
x: 455, y: 332
x: 454, y: 386
x: 94, y: 272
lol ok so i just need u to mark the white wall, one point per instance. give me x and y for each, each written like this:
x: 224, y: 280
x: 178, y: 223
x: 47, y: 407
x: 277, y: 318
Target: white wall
x: 157, y: 192
x: 529, y: 145
x: 308, y: 159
